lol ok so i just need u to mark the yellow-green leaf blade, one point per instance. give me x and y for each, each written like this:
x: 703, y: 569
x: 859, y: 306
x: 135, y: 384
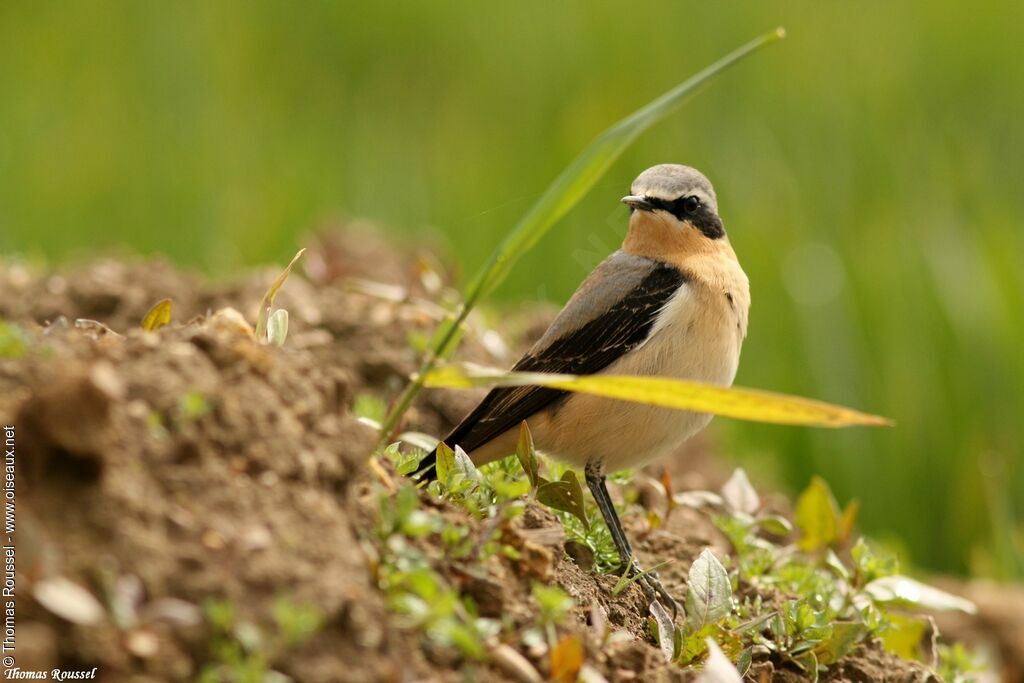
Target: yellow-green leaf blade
x: 158, y: 316
x: 736, y: 402
x: 817, y: 516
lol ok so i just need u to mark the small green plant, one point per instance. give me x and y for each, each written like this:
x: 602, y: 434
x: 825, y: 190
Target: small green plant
x: 414, y: 589
x: 193, y: 405
x: 564, y: 494
x: 809, y: 607
x: 554, y: 604
x: 14, y: 342
x: 840, y: 604
x: 242, y: 652
x: 366, y: 406
x: 272, y: 325
x: 957, y: 664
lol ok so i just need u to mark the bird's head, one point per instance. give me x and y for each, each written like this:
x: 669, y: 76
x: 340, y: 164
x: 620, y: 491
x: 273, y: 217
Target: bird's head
x: 679, y: 195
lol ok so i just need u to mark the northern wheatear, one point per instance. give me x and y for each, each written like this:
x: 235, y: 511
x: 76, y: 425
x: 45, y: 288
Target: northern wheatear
x: 671, y: 302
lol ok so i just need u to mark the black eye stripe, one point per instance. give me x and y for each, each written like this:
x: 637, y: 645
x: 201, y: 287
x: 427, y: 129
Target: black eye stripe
x: 683, y: 208
x: 700, y: 216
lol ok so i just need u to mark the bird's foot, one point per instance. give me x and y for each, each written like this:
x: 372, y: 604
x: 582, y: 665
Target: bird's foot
x: 650, y: 584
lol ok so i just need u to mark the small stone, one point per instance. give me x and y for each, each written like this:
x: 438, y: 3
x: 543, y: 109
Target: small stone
x: 514, y: 664
x: 213, y: 540
x: 142, y: 643
x: 68, y: 600
x: 581, y: 554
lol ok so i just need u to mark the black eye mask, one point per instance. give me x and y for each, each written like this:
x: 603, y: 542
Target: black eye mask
x: 692, y: 210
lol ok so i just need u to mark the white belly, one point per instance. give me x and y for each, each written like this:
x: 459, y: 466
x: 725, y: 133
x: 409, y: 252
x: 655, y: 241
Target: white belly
x: 697, y: 338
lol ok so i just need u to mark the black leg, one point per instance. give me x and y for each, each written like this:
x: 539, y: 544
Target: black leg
x: 596, y: 484
x: 594, y: 474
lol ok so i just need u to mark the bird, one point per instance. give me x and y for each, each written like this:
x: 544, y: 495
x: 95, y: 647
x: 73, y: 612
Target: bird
x: 673, y: 301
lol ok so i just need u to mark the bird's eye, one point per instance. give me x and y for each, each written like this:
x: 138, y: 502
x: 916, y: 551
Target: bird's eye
x: 691, y: 204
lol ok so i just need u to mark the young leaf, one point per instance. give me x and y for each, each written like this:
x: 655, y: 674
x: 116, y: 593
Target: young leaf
x: 526, y: 454
x: 666, y: 629
x: 277, y: 327
x: 774, y: 524
x: 13, y: 340
x: 554, y: 603
x: 845, y: 636
x: 809, y: 662
x: 718, y: 668
x: 445, y: 464
x: 628, y: 577
x: 709, y: 594
x: 268, y: 299
x: 565, y: 495
x: 464, y: 465
x: 739, y: 494
x: 833, y: 562
x: 158, y: 316
x: 745, y: 660
x: 735, y: 402
x: 817, y: 516
x: 905, y: 635
x: 872, y: 563
x: 904, y: 590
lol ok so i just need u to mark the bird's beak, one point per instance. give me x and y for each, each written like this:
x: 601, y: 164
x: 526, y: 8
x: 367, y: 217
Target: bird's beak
x: 637, y: 202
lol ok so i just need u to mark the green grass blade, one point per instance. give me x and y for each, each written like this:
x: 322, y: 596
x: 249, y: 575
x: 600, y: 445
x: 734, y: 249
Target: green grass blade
x: 735, y: 402
x: 567, y: 189
x: 586, y: 169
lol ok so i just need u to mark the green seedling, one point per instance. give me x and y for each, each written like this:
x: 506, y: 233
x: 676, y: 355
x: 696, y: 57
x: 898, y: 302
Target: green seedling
x: 243, y: 652
x: 369, y: 407
x: 193, y: 405
x: 266, y: 308
x: 554, y: 603
x: 13, y: 340
x: 629, y: 577
x: 415, y: 591
x: 957, y: 664
x: 566, y: 495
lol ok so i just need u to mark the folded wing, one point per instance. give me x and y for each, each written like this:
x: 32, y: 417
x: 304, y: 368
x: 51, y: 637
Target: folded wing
x: 611, y: 313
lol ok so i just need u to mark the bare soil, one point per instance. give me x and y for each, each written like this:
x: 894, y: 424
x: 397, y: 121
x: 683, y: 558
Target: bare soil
x: 161, y: 470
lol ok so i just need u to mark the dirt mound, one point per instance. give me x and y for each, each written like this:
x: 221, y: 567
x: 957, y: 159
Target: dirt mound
x: 192, y: 504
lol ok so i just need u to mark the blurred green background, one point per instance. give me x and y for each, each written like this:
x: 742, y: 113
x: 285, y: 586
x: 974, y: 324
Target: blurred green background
x: 870, y: 170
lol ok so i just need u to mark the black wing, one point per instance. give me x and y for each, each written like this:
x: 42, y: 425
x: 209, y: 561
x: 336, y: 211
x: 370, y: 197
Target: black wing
x: 585, y: 350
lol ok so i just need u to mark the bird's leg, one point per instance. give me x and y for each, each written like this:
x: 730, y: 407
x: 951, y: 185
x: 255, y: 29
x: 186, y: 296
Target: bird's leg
x: 649, y: 582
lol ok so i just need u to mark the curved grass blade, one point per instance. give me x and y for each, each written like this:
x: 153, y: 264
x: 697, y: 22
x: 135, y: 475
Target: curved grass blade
x: 586, y: 169
x: 736, y: 402
x: 268, y: 299
x: 566, y: 190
